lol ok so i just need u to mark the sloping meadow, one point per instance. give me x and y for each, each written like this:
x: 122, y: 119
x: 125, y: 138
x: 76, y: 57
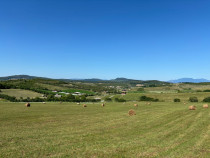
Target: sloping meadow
x: 68, y: 130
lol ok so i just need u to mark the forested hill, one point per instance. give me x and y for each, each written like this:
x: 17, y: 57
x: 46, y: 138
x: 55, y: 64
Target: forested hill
x: 117, y: 81
x: 17, y: 77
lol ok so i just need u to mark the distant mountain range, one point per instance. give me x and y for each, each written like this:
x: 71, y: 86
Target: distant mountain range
x: 16, y: 77
x: 181, y: 80
x: 121, y: 79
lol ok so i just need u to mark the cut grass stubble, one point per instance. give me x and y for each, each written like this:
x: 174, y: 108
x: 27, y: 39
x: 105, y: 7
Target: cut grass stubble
x: 63, y: 130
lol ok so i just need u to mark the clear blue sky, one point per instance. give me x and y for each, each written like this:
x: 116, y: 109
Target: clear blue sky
x: 139, y: 39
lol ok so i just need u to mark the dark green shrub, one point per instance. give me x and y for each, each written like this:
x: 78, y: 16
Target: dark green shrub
x: 108, y: 99
x: 193, y: 99
x: 207, y: 90
x: 145, y: 98
x: 206, y: 99
x: 177, y: 100
x: 199, y: 91
x: 120, y: 100
x: 140, y: 89
x: 7, y: 97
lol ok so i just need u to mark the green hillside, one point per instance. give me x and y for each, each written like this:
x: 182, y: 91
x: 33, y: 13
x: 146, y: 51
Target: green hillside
x: 20, y: 93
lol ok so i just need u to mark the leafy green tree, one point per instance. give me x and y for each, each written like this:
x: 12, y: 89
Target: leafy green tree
x: 177, y: 100
x: 145, y: 98
x: 207, y: 99
x: 83, y: 98
x: 120, y: 100
x: 193, y: 99
x: 108, y: 99
x: 140, y: 89
x: 50, y: 97
x: 69, y: 98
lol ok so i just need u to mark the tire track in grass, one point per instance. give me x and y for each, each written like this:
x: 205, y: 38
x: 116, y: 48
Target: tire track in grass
x: 160, y: 123
x: 200, y: 147
x: 203, y: 143
x: 120, y: 121
x: 183, y: 138
x: 193, y: 136
x: 153, y: 133
x: 133, y: 138
x: 156, y: 124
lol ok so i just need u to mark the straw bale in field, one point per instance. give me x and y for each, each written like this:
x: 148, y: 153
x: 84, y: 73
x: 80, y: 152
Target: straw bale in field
x: 205, y: 105
x: 136, y: 105
x: 131, y: 112
x: 192, y: 107
x: 27, y: 104
x: 84, y: 105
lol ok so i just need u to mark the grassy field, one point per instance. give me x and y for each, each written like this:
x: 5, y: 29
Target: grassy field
x: 69, y: 130
x: 51, y: 87
x: 78, y: 90
x: 183, y: 87
x: 167, y: 97
x: 20, y: 93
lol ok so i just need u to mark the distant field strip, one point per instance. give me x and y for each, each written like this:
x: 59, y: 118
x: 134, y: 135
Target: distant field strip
x: 20, y: 93
x: 167, y: 97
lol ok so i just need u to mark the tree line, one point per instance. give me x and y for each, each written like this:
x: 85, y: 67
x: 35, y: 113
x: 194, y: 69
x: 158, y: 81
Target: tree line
x: 51, y: 98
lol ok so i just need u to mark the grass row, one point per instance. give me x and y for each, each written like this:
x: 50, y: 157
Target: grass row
x: 69, y: 130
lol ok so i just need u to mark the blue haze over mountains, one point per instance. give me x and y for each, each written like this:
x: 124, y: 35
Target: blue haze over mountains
x: 181, y: 80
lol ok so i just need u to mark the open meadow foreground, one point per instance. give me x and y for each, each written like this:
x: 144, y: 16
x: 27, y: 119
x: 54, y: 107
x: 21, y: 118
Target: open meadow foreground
x: 104, y: 79
x: 161, y: 129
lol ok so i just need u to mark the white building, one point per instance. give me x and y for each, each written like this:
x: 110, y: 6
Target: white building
x: 77, y: 93
x: 58, y: 96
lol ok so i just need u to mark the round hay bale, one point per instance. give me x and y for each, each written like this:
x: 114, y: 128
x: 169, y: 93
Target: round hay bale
x: 43, y: 102
x: 136, y: 105
x: 205, y: 105
x: 84, y: 105
x: 103, y: 105
x: 27, y: 104
x: 149, y: 103
x: 192, y: 107
x: 131, y: 112
x: 184, y: 103
x: 78, y: 103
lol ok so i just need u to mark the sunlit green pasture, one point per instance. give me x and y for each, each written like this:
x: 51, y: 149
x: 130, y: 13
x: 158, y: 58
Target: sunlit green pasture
x: 68, y: 130
x: 20, y: 93
x: 166, y: 97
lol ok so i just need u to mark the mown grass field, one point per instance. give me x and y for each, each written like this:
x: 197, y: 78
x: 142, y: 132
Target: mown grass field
x: 51, y: 87
x: 68, y: 130
x: 20, y: 93
x: 166, y: 97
